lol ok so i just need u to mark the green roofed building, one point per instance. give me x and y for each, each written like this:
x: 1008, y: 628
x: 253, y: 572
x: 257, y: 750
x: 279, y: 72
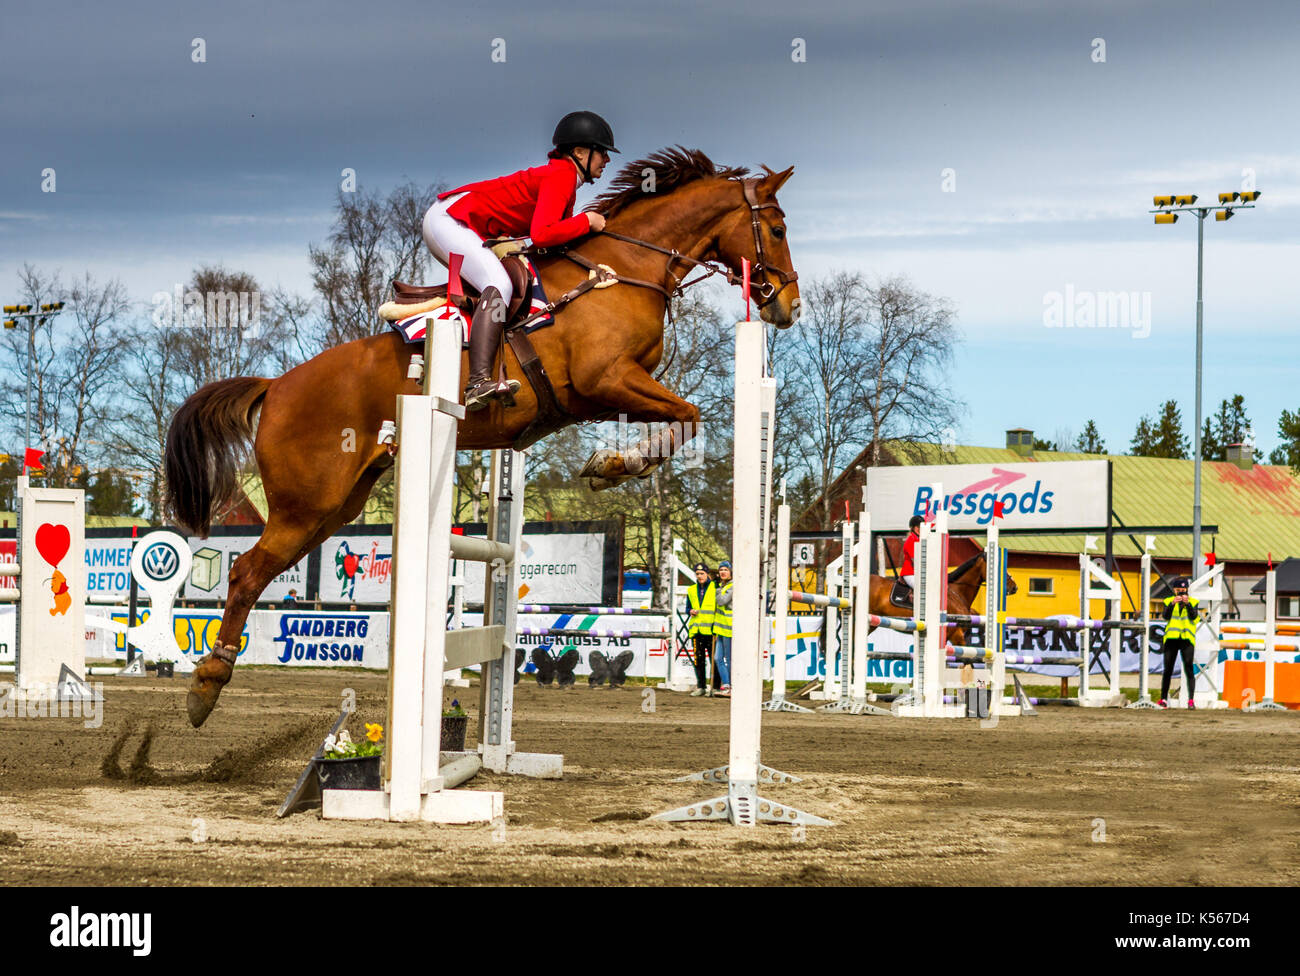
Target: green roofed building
x: 1252, y: 509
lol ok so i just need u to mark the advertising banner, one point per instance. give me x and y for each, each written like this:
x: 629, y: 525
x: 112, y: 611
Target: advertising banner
x: 1049, y: 495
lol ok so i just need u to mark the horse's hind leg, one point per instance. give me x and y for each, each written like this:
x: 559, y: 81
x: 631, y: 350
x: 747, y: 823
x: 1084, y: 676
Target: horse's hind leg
x: 278, y: 549
x: 282, y: 544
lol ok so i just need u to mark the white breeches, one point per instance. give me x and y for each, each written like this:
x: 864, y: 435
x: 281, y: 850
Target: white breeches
x: 445, y: 235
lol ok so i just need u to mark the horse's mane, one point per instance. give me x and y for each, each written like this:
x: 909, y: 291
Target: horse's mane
x: 673, y: 167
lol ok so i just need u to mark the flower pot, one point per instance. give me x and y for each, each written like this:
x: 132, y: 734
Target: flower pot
x: 453, y: 732
x: 354, y: 773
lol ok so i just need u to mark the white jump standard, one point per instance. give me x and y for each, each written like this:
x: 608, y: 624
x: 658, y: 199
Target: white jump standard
x: 417, y: 785
x: 742, y: 805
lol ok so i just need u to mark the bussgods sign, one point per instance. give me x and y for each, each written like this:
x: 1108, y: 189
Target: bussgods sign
x: 1046, y: 495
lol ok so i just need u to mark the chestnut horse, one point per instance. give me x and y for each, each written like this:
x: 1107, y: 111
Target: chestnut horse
x: 964, y: 584
x: 599, y: 354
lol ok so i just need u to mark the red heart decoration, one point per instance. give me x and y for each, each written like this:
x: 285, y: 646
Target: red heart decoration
x: 52, y: 542
x: 350, y: 563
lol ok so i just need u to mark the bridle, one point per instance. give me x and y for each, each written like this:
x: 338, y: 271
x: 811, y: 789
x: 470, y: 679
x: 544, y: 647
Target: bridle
x: 767, y: 292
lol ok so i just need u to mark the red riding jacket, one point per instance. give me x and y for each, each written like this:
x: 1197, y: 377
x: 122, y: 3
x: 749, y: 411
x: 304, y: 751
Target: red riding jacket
x: 536, y: 202
x: 909, y: 555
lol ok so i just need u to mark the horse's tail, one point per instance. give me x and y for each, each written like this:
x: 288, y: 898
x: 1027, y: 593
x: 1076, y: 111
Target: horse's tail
x: 206, y: 444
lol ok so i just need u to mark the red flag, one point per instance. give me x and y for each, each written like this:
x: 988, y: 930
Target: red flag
x: 998, y: 510
x: 744, y: 283
x: 1210, y: 560
x: 32, y: 460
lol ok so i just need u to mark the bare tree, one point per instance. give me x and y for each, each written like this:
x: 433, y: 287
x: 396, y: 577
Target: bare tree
x: 821, y: 369
x: 75, y: 362
x: 375, y: 239
x: 221, y: 330
x: 156, y: 378
x: 31, y: 362
x: 907, y: 370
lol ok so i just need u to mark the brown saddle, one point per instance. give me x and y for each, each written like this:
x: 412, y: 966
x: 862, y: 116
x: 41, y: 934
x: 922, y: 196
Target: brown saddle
x: 520, y: 280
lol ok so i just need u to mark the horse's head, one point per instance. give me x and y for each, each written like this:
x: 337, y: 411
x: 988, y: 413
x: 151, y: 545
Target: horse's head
x: 757, y: 232
x: 1009, y: 585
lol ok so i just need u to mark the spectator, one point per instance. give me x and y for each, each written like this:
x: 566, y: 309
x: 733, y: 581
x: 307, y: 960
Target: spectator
x: 702, y: 600
x: 722, y: 629
x: 1181, y: 614
x: 292, y: 599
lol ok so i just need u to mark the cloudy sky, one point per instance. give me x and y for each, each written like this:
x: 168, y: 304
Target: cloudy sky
x: 1057, y: 121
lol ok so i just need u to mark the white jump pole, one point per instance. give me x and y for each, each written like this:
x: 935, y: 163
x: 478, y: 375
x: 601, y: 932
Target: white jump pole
x: 861, y: 617
x: 1144, y: 660
x: 426, y: 457
x: 842, y: 701
x: 929, y: 607
x: 832, y: 649
x: 1097, y: 584
x: 1270, y: 640
x: 861, y: 605
x: 768, y: 439
x: 995, y: 567
x: 742, y: 805
x: 1208, y: 588
x: 780, y: 613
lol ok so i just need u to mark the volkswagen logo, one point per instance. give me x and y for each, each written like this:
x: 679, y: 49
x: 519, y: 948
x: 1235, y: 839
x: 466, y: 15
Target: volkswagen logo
x: 160, y: 561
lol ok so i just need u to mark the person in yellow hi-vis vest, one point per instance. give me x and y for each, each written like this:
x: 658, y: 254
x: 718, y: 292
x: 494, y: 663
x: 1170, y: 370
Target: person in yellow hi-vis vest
x: 1181, y: 614
x: 702, y: 598
x: 722, y: 629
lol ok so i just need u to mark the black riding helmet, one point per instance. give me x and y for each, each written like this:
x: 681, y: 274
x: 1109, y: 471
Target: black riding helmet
x: 583, y: 129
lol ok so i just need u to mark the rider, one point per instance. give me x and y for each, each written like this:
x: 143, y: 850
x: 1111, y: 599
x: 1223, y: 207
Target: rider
x: 536, y: 203
x: 908, y: 571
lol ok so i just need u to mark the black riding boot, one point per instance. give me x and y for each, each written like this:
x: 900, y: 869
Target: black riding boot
x: 484, y: 337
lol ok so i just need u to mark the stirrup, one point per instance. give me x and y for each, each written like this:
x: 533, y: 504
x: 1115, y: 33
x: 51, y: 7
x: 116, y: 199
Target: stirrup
x: 480, y: 395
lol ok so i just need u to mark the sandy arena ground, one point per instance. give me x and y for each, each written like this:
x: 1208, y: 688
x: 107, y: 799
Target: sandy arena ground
x: 1186, y: 797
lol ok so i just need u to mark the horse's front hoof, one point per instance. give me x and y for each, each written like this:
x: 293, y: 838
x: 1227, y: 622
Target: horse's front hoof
x: 602, y: 465
x: 210, y: 676
x: 600, y: 484
x: 198, y: 707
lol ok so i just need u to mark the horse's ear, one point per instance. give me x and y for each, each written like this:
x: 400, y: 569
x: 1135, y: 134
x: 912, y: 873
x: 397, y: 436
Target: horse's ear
x: 777, y: 180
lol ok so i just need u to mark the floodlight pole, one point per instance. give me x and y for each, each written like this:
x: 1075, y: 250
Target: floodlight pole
x: 1196, y: 489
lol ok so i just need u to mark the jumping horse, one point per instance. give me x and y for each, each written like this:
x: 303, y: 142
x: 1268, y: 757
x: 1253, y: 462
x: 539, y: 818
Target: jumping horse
x: 598, y: 358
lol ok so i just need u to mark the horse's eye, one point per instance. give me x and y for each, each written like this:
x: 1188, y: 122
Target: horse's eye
x: 778, y: 232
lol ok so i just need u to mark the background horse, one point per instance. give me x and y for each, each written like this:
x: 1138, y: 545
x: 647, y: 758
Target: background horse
x: 964, y: 584
x: 600, y: 355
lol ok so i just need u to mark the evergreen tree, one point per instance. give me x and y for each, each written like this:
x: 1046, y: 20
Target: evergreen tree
x: 1211, y: 448
x: 1090, y: 441
x: 111, y: 493
x: 1288, y: 452
x: 1170, y: 442
x: 1143, y: 444
x: 1233, y: 424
